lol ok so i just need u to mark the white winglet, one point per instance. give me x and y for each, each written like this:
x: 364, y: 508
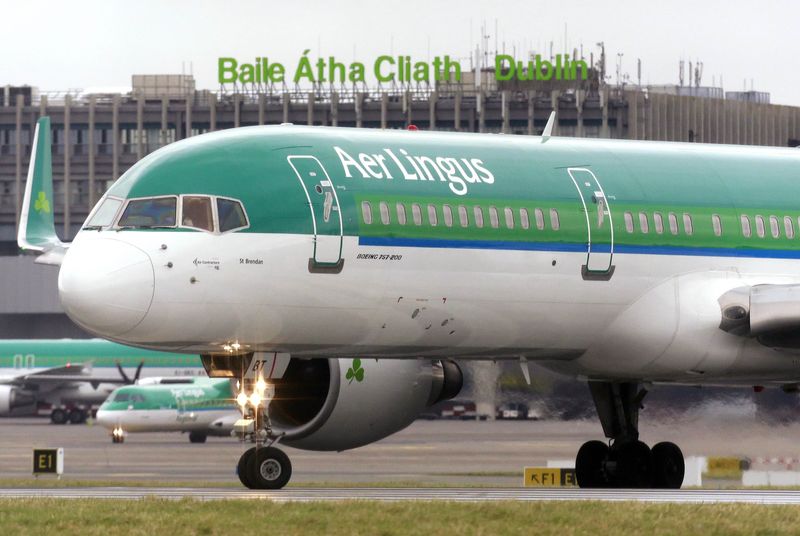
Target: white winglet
x: 548, y: 128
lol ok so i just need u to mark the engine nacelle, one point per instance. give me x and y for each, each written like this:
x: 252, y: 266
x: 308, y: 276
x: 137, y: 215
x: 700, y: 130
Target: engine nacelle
x: 768, y: 312
x: 13, y: 397
x: 340, y: 404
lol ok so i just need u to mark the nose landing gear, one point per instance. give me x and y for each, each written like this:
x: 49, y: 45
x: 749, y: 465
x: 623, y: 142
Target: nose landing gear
x: 263, y: 466
x: 626, y: 462
x: 118, y: 435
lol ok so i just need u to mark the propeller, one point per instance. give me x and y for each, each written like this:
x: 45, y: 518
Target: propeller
x: 125, y: 377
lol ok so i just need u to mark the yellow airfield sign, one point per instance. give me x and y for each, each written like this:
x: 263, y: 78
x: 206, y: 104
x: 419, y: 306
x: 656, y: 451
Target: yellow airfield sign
x: 549, y: 477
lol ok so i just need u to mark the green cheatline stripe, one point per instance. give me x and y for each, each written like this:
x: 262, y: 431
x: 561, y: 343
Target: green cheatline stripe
x: 573, y: 224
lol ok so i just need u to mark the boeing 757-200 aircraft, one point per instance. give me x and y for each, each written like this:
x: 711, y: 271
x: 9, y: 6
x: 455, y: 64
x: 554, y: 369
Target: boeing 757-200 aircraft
x: 338, y: 275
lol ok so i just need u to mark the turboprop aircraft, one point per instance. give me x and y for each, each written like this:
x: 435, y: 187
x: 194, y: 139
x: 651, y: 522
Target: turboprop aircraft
x: 348, y: 269
x: 200, y: 406
x: 70, y: 376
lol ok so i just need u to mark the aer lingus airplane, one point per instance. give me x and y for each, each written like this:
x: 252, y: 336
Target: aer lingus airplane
x: 200, y: 406
x: 347, y: 268
x: 69, y: 376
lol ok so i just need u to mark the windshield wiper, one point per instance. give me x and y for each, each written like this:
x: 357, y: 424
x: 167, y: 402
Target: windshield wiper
x: 93, y: 228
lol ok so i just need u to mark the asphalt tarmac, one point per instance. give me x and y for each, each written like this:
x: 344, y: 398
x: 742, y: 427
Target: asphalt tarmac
x: 428, y: 452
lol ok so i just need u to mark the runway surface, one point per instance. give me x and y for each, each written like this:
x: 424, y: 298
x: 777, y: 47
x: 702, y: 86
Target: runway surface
x: 452, y: 453
x: 428, y: 453
x: 417, y: 494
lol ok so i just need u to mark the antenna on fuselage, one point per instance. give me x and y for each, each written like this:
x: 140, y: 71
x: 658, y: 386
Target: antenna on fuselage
x: 548, y: 128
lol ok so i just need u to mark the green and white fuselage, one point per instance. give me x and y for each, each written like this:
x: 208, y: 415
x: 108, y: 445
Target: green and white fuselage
x: 195, y: 405
x: 409, y: 244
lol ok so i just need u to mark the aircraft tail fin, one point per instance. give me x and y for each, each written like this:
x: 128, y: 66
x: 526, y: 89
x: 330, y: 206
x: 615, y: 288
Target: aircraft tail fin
x: 37, y: 230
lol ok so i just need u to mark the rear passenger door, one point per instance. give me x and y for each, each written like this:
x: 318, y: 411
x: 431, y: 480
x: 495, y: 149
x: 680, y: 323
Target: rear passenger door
x: 599, y: 225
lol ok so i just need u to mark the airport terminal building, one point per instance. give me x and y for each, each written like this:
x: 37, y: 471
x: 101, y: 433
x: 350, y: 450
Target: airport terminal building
x: 98, y: 136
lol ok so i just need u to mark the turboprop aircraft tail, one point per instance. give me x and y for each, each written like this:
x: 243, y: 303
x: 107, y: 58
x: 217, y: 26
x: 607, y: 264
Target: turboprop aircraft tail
x: 37, y: 229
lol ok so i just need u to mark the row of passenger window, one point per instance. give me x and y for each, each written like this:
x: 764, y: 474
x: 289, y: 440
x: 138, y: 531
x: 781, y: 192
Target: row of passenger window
x: 460, y: 214
x: 716, y: 224
x: 672, y: 223
x: 774, y: 226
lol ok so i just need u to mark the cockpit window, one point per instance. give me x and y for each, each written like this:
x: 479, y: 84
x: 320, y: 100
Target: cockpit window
x: 231, y: 215
x: 197, y: 212
x: 122, y: 397
x: 104, y: 214
x: 149, y: 212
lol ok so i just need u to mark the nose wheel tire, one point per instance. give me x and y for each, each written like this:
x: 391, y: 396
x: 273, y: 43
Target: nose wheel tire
x: 264, y: 468
x: 241, y: 468
x: 270, y: 468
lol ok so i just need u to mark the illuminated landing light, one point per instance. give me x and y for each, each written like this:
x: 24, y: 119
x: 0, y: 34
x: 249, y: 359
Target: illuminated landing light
x: 261, y: 386
x: 241, y: 399
x: 255, y: 399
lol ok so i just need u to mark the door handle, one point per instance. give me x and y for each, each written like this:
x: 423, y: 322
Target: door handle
x: 327, y: 206
x: 601, y: 211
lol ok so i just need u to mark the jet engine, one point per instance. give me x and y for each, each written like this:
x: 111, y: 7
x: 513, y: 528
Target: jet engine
x: 770, y: 313
x: 340, y: 404
x: 12, y: 397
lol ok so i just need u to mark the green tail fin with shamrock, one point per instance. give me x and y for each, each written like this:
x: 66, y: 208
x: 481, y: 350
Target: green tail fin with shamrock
x: 37, y: 229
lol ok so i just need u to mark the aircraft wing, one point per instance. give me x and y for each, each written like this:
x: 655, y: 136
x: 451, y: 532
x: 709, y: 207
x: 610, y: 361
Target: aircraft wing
x: 77, y: 373
x: 37, y: 232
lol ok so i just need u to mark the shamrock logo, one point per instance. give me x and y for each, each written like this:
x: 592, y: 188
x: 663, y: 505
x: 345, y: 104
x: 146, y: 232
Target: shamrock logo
x: 42, y: 204
x: 355, y: 372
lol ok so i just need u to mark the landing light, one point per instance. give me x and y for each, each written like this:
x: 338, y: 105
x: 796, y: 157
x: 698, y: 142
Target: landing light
x: 241, y: 399
x: 261, y: 386
x: 255, y: 399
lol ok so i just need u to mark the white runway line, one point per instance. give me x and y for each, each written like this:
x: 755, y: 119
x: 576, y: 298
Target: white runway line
x: 417, y: 494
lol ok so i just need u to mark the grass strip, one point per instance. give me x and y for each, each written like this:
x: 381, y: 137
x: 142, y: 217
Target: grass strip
x: 66, y: 517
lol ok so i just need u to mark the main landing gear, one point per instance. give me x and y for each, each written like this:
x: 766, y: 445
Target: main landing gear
x: 72, y: 416
x: 626, y: 462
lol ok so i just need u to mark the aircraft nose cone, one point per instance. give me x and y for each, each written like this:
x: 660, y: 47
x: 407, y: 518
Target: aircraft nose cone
x: 106, y: 286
